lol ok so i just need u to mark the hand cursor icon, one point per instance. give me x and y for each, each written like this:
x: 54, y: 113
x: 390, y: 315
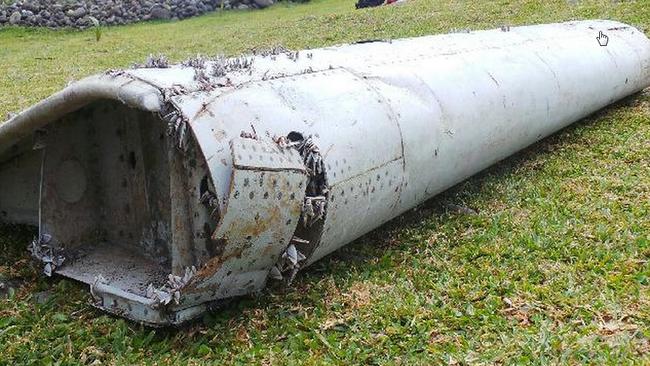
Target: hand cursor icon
x: 603, y: 40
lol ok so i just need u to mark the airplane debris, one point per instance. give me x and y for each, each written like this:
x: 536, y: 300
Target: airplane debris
x: 171, y: 188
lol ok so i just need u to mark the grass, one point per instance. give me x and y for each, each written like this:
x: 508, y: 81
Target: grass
x: 552, y: 270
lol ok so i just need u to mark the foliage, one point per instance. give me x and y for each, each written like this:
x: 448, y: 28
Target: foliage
x: 96, y: 27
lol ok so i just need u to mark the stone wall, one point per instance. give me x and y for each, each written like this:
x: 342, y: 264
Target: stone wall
x: 75, y: 13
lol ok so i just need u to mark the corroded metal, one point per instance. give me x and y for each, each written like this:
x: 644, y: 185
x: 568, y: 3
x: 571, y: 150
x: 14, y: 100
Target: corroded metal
x: 169, y: 187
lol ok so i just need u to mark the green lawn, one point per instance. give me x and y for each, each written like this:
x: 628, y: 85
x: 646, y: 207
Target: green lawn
x: 553, y: 269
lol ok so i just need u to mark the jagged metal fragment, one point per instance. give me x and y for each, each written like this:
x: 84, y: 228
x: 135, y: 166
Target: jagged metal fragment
x: 171, y: 187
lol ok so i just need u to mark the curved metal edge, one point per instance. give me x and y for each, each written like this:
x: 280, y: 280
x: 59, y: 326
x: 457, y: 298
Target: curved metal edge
x: 141, y: 309
x: 132, y: 92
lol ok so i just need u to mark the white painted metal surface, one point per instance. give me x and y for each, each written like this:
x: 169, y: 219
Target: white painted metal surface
x: 380, y: 127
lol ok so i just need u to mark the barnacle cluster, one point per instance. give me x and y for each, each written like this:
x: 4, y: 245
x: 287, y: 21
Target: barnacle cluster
x: 314, y: 205
x: 172, y: 289
x: 41, y: 249
x: 154, y: 62
x: 276, y: 51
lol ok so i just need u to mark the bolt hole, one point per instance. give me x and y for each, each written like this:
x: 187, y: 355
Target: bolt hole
x: 132, y: 160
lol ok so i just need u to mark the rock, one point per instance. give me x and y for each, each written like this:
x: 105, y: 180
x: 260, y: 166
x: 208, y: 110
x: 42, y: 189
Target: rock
x: 159, y: 12
x: 68, y: 13
x: 190, y: 11
x: 15, y: 18
x: 263, y: 3
x: 77, y: 13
